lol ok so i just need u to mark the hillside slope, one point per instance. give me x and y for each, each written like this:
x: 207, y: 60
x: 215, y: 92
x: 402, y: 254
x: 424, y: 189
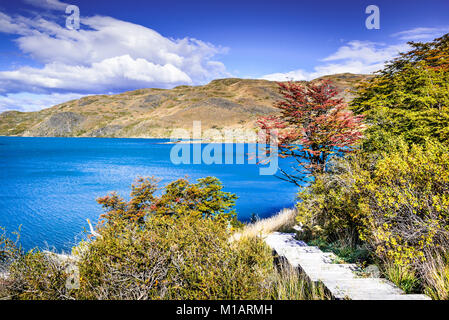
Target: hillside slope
x: 224, y: 103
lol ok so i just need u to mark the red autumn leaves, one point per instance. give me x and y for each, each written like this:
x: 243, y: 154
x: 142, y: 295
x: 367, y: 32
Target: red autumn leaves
x: 313, y: 124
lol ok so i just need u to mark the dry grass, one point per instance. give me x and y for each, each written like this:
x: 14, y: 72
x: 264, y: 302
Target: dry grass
x: 282, y: 221
x: 4, y: 295
x: 436, y: 276
x: 289, y: 284
x: 402, y: 276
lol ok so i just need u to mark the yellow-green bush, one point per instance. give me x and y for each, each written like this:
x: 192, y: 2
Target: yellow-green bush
x: 204, y: 199
x: 178, y: 245
x: 175, y: 246
x: 173, y: 258
x: 32, y: 275
x: 397, y: 203
x: 404, y: 203
x: 37, y: 276
x: 327, y: 207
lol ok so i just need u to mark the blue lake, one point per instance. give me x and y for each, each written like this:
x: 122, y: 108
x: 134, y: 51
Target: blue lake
x: 48, y: 186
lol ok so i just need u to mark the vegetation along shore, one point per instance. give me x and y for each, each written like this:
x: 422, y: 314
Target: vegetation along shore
x: 372, y: 175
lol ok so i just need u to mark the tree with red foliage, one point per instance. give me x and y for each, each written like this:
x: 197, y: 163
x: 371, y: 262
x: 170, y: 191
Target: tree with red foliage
x: 313, y: 125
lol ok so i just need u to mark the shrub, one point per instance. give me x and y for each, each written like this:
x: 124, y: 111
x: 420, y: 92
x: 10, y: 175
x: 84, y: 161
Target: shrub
x: 175, y: 246
x: 346, y: 253
x: 37, y: 275
x: 403, y: 199
x: 8, y: 249
x: 204, y: 199
x: 158, y: 247
x: 404, y: 203
x: 173, y: 258
x: 326, y: 208
x: 396, y: 203
x: 34, y: 275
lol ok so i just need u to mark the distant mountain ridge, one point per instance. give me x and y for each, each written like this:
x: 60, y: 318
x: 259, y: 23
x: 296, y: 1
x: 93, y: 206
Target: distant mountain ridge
x: 154, y: 113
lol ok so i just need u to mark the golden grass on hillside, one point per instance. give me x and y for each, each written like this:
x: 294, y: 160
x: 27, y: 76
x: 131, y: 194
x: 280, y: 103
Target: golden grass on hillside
x: 283, y: 220
x: 155, y: 113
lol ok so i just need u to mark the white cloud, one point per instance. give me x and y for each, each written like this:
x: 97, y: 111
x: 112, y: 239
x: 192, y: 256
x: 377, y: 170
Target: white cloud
x: 48, y: 4
x: 354, y: 57
x: 111, y: 74
x: 12, y: 26
x: 366, y: 52
x: 361, y: 56
x: 417, y: 34
x: 33, y: 102
x: 106, y: 55
x: 295, y: 75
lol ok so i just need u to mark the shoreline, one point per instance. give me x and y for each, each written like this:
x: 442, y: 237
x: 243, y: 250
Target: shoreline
x: 201, y: 141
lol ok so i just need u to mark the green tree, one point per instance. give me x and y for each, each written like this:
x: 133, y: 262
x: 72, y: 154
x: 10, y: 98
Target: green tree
x: 204, y: 199
x: 409, y: 98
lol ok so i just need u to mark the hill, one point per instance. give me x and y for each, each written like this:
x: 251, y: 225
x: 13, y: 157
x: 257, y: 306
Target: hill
x: 223, y: 103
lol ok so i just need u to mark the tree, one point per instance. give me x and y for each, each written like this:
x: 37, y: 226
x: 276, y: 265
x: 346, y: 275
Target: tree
x: 313, y: 125
x: 409, y: 98
x: 204, y: 199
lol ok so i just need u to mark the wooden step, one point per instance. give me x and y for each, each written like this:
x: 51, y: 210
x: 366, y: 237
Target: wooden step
x: 340, y: 279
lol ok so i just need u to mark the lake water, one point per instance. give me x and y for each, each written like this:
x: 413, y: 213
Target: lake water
x: 48, y: 186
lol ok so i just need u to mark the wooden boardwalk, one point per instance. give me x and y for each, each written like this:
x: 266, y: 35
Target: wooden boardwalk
x: 340, y: 279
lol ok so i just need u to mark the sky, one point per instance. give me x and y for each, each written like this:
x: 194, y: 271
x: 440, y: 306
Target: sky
x: 132, y: 44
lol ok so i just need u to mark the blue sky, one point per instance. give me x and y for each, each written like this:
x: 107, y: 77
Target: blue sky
x: 125, y: 45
